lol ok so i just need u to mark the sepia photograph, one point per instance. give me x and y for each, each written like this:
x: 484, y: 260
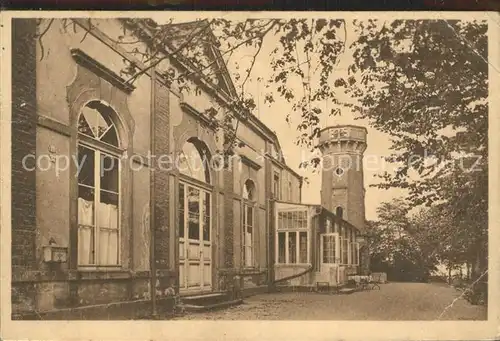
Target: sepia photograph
x: 249, y: 166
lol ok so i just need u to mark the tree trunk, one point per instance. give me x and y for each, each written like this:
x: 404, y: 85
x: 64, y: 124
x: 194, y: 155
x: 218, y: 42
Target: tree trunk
x: 467, y: 264
x: 449, y: 273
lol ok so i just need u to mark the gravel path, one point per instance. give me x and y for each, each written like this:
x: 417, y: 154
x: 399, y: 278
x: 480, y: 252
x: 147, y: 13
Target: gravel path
x: 395, y: 301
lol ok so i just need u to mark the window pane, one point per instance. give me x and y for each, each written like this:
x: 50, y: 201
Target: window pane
x: 207, y: 204
x: 345, y: 251
x: 249, y: 218
x: 108, y: 247
x: 109, y: 173
x: 329, y: 249
x: 181, y: 223
x: 85, y: 245
x: 85, y: 206
x: 248, y: 256
x: 193, y: 164
x: 295, y: 215
x: 281, y: 247
x: 193, y: 198
x: 86, y: 165
x: 289, y: 219
x: 292, y: 247
x: 193, y: 226
x: 303, y: 247
x: 280, y: 220
x: 107, y: 211
x: 181, y: 210
x: 110, y: 136
x: 206, y: 228
x: 181, y: 196
x: 84, y: 127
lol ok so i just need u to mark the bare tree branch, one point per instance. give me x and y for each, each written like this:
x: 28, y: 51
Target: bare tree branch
x: 168, y: 55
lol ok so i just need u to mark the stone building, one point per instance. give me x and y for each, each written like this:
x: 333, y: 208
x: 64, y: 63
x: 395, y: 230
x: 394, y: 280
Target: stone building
x: 88, y: 157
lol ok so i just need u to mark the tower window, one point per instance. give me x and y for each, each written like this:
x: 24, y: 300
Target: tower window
x: 339, y: 211
x: 339, y: 171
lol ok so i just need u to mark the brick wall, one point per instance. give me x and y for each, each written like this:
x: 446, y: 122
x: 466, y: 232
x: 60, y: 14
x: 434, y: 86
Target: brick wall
x: 161, y: 183
x: 24, y: 122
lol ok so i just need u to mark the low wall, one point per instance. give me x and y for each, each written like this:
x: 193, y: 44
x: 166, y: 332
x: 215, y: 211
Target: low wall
x: 47, y: 294
x: 380, y: 276
x: 286, y: 270
x: 128, y: 310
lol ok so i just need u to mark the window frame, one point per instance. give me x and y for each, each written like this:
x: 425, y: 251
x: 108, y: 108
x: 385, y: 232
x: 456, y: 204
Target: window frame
x: 245, y: 225
x: 286, y: 231
x: 337, y: 247
x: 354, y: 252
x: 345, y: 252
x: 276, y: 185
x: 99, y: 148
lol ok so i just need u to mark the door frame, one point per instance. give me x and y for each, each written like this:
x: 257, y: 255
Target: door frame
x: 203, y: 188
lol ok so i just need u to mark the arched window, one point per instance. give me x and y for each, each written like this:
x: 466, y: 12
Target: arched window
x: 248, y: 222
x: 249, y: 190
x: 98, y: 186
x: 194, y: 216
x: 193, y: 161
x: 339, y: 212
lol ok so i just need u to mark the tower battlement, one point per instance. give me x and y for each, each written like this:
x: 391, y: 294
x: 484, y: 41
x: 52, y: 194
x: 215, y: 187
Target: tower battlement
x: 342, y: 139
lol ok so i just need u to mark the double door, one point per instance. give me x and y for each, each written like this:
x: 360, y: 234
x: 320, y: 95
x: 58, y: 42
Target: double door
x: 195, y: 246
x: 330, y: 256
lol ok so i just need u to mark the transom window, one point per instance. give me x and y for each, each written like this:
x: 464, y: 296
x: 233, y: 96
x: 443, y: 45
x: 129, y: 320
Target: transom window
x: 292, y: 237
x: 193, y: 161
x: 95, y: 122
x: 98, y: 187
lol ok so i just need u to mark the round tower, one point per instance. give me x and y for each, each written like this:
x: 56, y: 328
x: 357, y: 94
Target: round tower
x: 342, y: 188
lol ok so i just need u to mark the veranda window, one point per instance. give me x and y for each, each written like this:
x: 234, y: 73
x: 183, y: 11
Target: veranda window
x: 355, y: 253
x: 98, y: 188
x: 344, y: 243
x: 292, y: 237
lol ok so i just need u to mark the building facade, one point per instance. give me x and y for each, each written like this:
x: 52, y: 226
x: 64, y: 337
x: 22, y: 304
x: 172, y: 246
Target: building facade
x: 112, y: 179
x: 83, y: 178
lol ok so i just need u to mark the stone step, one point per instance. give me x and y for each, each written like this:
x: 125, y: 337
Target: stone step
x: 207, y: 299
x: 219, y: 305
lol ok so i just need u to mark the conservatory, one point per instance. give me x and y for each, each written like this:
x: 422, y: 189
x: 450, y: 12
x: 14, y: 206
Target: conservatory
x: 314, y: 245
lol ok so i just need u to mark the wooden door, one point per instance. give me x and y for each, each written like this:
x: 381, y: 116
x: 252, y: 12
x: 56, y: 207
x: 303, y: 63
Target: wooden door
x: 195, y: 247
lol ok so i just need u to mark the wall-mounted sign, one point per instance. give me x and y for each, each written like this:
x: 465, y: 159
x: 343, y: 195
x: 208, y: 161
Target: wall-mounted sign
x: 339, y: 133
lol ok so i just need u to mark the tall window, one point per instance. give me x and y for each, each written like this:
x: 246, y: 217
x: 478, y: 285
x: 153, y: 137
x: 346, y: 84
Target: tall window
x: 194, y: 200
x: 292, y: 237
x: 248, y: 223
x: 290, y: 191
x: 329, y: 248
x: 98, y: 187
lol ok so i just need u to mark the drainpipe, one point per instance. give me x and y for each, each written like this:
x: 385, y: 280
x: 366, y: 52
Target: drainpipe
x: 152, y: 258
x: 271, y: 243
